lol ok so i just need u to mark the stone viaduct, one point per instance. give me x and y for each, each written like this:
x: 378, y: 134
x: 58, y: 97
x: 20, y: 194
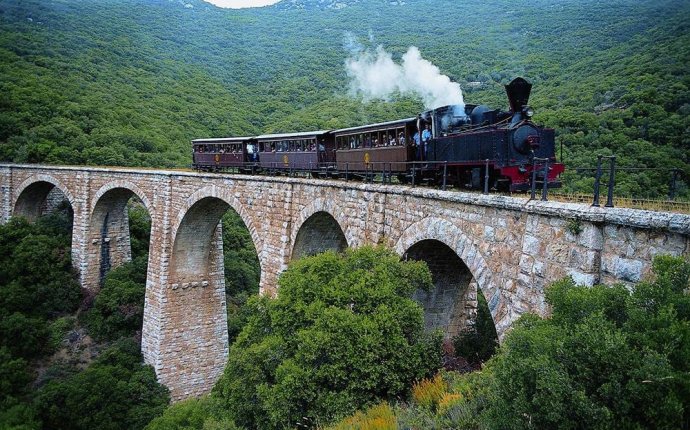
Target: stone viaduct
x: 508, y: 247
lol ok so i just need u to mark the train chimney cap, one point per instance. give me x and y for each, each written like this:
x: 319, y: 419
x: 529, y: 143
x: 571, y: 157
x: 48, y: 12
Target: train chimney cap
x: 518, y: 91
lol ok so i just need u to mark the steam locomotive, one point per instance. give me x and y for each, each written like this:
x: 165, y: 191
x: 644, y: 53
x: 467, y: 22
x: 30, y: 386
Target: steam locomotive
x: 470, y: 146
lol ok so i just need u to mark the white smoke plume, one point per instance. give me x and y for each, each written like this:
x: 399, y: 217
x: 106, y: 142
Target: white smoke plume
x: 374, y: 75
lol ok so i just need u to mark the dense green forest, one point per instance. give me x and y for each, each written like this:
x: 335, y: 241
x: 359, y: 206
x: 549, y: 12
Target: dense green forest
x: 130, y: 82
x: 70, y: 358
x: 53, y: 375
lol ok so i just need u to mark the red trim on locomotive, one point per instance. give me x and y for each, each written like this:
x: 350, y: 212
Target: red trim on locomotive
x: 522, y: 180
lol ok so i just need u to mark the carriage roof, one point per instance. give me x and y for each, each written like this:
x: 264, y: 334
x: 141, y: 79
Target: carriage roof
x: 381, y: 125
x: 223, y: 140
x: 302, y: 135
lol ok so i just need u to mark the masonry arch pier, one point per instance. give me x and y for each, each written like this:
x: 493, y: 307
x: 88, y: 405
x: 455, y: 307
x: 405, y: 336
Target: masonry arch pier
x: 109, y: 240
x: 456, y: 285
x: 195, y: 305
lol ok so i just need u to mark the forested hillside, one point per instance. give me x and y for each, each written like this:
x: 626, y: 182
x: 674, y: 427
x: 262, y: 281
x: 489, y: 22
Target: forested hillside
x: 130, y: 82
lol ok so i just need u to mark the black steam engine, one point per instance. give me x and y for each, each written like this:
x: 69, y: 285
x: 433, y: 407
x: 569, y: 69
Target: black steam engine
x: 469, y: 146
x: 477, y: 140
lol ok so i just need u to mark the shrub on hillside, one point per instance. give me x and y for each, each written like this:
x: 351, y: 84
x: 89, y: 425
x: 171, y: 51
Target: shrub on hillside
x: 205, y: 413
x: 36, y: 276
x: 242, y: 270
x: 118, y: 309
x: 343, y: 333
x: 115, y: 392
x: 607, y: 358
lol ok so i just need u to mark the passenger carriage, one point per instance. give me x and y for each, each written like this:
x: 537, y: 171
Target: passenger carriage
x: 231, y: 153
x: 309, y: 151
x: 386, y: 146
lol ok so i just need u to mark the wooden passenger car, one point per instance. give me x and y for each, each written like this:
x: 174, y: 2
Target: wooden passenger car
x: 311, y: 150
x: 224, y: 153
x: 384, y: 146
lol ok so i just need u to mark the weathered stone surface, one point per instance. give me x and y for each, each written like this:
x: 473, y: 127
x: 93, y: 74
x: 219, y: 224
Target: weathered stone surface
x: 510, y: 248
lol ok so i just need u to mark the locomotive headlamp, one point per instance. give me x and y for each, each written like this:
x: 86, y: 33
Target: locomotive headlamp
x: 528, y: 111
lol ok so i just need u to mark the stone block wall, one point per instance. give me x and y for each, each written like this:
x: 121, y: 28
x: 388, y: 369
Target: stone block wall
x: 510, y: 246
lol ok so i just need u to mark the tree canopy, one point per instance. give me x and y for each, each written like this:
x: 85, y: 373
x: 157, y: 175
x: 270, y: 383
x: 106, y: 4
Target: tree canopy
x: 343, y: 333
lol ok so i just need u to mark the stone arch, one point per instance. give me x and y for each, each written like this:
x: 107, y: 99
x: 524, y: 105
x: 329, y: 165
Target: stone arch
x: 452, y: 304
x: 108, y: 238
x: 445, y: 232
x: 195, y: 326
x: 135, y: 190
x: 31, y: 195
x: 215, y: 201
x: 337, y: 218
x: 318, y: 233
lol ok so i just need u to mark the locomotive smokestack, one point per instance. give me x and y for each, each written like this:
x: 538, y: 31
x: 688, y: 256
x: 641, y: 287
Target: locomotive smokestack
x: 518, y: 91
